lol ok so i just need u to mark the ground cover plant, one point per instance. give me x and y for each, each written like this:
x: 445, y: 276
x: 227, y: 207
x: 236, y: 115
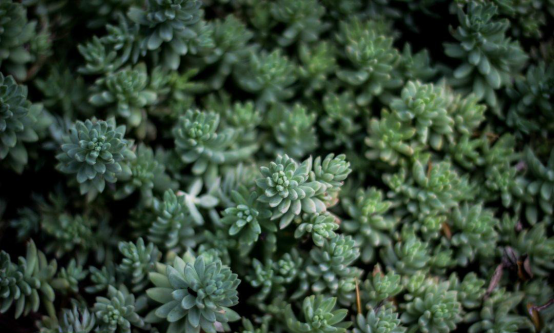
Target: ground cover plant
x: 303, y: 166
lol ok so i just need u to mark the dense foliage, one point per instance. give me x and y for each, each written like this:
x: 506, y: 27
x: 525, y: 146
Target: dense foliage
x: 305, y: 166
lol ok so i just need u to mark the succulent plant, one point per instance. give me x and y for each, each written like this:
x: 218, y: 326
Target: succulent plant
x: 76, y: 319
x: 495, y: 315
x: 340, y: 119
x: 17, y: 122
x: 331, y: 271
x: 204, y: 291
x: 368, y: 223
x: 408, y: 256
x: 531, y: 94
x: 69, y: 232
x: 198, y: 141
x: 173, y: 226
x: 424, y: 105
x: 117, y: 312
x: 372, y: 57
x: 231, y: 37
x: 474, y: 233
x: 99, y: 57
x: 437, y: 310
x: 285, y: 189
x: 302, y: 19
x: 541, y: 185
x: 390, y: 139
x: 69, y: 277
x: 470, y: 290
x: 538, y: 246
x: 246, y: 219
x: 385, y: 321
x: 126, y: 91
x: 488, y: 55
x: 317, y: 64
x: 319, y: 226
x: 139, y: 260
x: 379, y: 287
x: 331, y: 171
x: 97, y: 152
x: 171, y: 25
x: 270, y: 76
x: 293, y: 130
x: 101, y: 279
x: 319, y: 316
x: 147, y: 175
x: 26, y: 284
x: 16, y: 32
x: 433, y: 187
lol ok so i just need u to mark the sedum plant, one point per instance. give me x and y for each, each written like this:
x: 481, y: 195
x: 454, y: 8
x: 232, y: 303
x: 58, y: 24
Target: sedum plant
x: 495, y: 315
x: 293, y: 130
x: 18, y: 123
x: 390, y: 139
x: 476, y: 236
x: 379, y: 287
x: 270, y: 77
x: 116, y: 313
x: 318, y: 316
x: 231, y: 38
x: 285, y: 189
x: 531, y: 93
x: 331, y: 171
x: 195, y: 294
x: 302, y: 20
x: 97, y: 152
x: 16, y: 35
x: 330, y: 271
x: 379, y: 321
x: 339, y: 119
x: 319, y: 226
x: 126, y: 92
x: 431, y: 188
x: 488, y: 55
x: 425, y: 107
x: 198, y: 142
x: 68, y: 278
x: 169, y: 26
x: 470, y: 290
x: 407, y: 257
x: 372, y: 57
x: 540, y: 186
x: 436, y: 310
x: 363, y: 166
x: 147, y: 176
x: 76, y: 319
x: 139, y: 260
x: 246, y: 219
x: 173, y: 226
x: 368, y: 225
x: 27, y: 283
x: 317, y: 64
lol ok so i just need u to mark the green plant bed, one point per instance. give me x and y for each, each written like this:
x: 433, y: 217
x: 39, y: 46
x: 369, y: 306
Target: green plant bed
x: 302, y: 166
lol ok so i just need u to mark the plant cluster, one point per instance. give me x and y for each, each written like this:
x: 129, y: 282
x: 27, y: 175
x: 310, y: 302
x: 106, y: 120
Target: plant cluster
x: 257, y: 166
